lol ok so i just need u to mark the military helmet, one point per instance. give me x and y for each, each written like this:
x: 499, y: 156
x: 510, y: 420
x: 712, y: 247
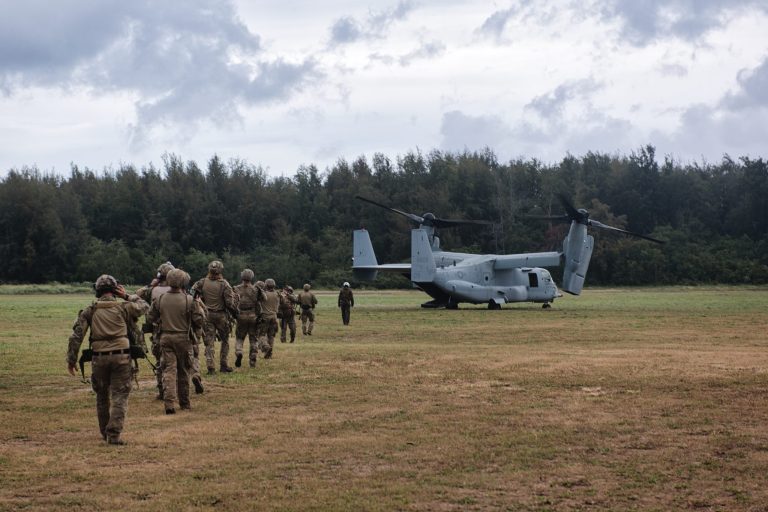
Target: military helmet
x: 270, y: 283
x: 306, y: 287
x: 177, y: 278
x: 163, y: 269
x: 260, y: 284
x: 105, y: 283
x: 346, y: 284
x: 246, y: 275
x: 215, y: 267
x: 289, y: 288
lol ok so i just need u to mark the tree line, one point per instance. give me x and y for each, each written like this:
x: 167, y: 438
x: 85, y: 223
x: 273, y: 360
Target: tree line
x: 298, y: 229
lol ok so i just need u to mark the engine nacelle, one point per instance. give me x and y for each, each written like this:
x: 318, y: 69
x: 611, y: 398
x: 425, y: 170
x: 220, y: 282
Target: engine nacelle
x: 577, y: 251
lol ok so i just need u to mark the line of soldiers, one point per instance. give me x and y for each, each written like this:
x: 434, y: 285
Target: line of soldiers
x: 177, y: 321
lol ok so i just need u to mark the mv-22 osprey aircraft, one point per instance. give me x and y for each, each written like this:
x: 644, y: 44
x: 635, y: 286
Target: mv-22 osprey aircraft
x: 451, y: 278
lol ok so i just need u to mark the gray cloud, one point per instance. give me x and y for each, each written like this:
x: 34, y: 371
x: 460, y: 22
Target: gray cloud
x: 552, y: 104
x: 187, y: 61
x: 753, y: 89
x: 460, y: 131
x: 644, y: 21
x: 495, y: 24
x: 347, y: 30
x: 427, y: 50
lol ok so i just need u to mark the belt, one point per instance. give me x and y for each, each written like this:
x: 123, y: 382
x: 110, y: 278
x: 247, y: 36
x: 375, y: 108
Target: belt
x: 112, y: 352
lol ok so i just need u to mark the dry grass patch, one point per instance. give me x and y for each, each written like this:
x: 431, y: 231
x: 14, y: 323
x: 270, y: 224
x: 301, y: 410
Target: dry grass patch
x: 649, y: 399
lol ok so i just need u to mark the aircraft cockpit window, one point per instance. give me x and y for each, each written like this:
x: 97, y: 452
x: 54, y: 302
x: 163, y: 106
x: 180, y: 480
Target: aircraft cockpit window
x: 533, y: 280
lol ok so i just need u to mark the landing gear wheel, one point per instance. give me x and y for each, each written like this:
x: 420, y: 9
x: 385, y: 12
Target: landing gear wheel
x: 452, y: 305
x: 546, y: 305
x: 494, y: 305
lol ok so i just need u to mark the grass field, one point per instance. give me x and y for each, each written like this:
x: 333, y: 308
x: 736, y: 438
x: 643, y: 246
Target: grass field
x: 621, y: 399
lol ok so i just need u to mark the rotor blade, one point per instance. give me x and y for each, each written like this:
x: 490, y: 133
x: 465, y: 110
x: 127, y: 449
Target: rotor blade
x: 449, y: 223
x: 573, y: 213
x: 411, y: 216
x: 630, y: 233
x: 547, y: 217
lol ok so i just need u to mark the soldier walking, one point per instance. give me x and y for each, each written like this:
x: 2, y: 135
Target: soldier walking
x: 109, y: 322
x: 346, y: 302
x: 307, y: 301
x: 221, y: 304
x: 269, y: 301
x: 247, y: 319
x: 287, y: 313
x: 179, y: 320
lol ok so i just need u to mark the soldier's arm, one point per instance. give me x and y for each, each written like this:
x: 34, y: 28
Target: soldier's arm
x: 314, y: 301
x: 198, y: 319
x: 341, y: 296
x: 76, y: 338
x: 154, y: 313
x: 351, y: 299
x: 231, y: 299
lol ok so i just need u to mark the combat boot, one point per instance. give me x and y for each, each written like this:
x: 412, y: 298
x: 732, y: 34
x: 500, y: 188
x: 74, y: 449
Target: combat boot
x: 226, y: 369
x: 198, y: 383
x: 239, y: 360
x: 170, y: 410
x: 211, y: 371
x: 115, y: 441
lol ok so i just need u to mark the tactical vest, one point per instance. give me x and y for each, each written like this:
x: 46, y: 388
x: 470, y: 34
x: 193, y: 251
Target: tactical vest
x: 109, y: 328
x: 213, y: 294
x: 158, y: 290
x: 175, y: 313
x: 270, y: 302
x: 248, y: 297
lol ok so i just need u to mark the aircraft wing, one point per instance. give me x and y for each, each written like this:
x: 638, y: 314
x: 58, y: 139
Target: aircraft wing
x: 534, y: 259
x: 387, y: 267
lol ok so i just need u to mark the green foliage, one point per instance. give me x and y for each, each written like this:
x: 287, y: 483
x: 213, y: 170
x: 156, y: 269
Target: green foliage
x: 295, y: 230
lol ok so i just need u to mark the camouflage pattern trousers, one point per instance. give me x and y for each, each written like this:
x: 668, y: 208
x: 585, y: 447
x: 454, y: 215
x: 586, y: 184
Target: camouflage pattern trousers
x: 288, y: 322
x: 217, y: 323
x: 267, y: 331
x: 177, y: 357
x: 111, y: 380
x: 247, y: 325
x: 307, y: 320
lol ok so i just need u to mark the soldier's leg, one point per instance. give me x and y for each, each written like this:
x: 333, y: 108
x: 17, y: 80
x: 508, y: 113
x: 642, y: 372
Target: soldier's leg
x: 100, y: 384
x: 182, y: 373
x: 304, y: 321
x: 119, y: 388
x: 194, y: 366
x: 157, y: 353
x: 311, y: 317
x: 169, y: 374
x: 240, y: 333
x: 222, y: 326
x: 271, y: 332
x: 283, y: 328
x: 209, y: 338
x: 292, y: 326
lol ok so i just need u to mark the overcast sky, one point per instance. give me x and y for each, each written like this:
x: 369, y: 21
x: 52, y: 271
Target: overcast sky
x: 281, y: 84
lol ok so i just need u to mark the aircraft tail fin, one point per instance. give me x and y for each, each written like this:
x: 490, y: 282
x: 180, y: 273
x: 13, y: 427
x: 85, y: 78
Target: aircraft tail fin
x: 577, y: 250
x: 422, y: 260
x: 363, y: 256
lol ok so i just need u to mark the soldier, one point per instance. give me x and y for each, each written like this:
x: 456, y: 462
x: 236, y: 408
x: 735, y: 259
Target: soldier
x: 248, y: 318
x: 346, y: 302
x: 149, y: 293
x: 269, y: 300
x: 109, y: 321
x: 221, y: 304
x: 308, y: 302
x: 287, y: 313
x: 179, y: 320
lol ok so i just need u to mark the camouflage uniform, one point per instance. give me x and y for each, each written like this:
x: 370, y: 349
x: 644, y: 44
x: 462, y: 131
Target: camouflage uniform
x: 346, y: 302
x: 247, y: 319
x: 179, y: 319
x: 221, y: 304
x: 149, y: 294
x: 307, y: 301
x: 287, y: 314
x: 109, y: 321
x: 269, y: 299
